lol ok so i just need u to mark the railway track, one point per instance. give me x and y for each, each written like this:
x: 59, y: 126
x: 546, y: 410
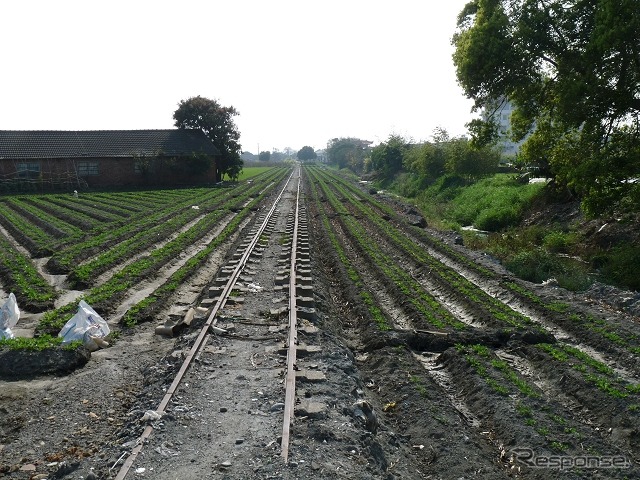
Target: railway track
x: 252, y: 314
x: 420, y: 361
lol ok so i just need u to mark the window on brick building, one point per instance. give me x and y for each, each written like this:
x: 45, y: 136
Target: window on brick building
x: 28, y: 170
x: 87, y: 168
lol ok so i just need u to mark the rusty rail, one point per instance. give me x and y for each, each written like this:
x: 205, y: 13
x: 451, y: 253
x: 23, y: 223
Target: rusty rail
x: 290, y: 381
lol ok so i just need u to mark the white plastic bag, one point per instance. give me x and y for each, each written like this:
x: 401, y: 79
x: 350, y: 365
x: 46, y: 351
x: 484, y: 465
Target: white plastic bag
x: 87, y: 326
x: 9, y: 316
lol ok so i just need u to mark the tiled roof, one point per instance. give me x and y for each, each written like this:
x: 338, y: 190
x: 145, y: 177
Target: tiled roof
x: 34, y: 144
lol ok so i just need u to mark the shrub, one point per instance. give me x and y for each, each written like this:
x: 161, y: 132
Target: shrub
x: 409, y: 185
x: 538, y: 265
x: 498, y: 217
x: 620, y: 266
x: 493, y: 203
x: 535, y: 265
x: 559, y: 242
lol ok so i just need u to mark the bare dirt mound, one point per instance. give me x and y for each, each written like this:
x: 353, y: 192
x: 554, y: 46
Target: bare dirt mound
x: 24, y: 364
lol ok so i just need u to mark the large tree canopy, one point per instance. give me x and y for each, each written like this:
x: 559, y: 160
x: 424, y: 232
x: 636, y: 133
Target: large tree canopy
x: 307, y: 153
x: 387, y: 157
x: 264, y: 156
x: 348, y: 153
x: 217, y: 123
x: 572, y: 70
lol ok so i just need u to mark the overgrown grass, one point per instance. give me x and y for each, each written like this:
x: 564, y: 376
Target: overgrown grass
x: 248, y: 172
x: 620, y: 266
x: 538, y: 265
x: 491, y: 204
x: 536, y: 253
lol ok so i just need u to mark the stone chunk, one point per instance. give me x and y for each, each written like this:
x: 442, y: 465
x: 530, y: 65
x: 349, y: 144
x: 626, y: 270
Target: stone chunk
x: 310, y: 409
x: 310, y: 376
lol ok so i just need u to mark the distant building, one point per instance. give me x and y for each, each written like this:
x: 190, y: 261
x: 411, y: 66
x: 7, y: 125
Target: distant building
x: 53, y: 159
x: 321, y: 156
x: 503, y: 118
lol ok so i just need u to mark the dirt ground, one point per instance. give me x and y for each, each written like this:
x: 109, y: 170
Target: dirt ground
x: 433, y: 417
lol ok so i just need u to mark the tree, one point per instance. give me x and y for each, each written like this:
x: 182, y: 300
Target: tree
x: 571, y: 69
x: 387, y: 158
x: 428, y: 159
x: 264, y: 156
x: 456, y: 156
x: 277, y: 155
x: 306, y: 153
x: 217, y: 124
x: 464, y: 158
x: 348, y: 153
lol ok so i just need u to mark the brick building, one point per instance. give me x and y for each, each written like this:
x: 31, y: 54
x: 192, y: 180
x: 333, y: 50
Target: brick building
x: 52, y: 159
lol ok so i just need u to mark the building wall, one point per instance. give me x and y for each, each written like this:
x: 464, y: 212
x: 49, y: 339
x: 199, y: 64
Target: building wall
x: 509, y: 147
x: 101, y: 172
x: 502, y: 116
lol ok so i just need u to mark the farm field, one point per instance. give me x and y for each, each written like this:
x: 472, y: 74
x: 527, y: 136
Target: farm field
x: 470, y: 371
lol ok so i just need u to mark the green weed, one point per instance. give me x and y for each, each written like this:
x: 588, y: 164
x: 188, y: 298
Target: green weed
x: 554, y: 352
x: 523, y: 410
x: 37, y: 344
x: 558, y: 446
x: 417, y: 382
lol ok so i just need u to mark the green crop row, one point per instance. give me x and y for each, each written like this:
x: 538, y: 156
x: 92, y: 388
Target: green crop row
x: 540, y: 414
x: 44, y: 342
x: 117, y: 209
x: 432, y: 312
x: 580, y: 323
x: 498, y: 309
x: 33, y: 238
x: 369, y: 300
x: 144, y: 225
x: 138, y: 201
x: 113, y: 205
x: 20, y: 275
x: 97, y: 216
x: 51, y: 224
x: 84, y: 212
x: 85, y: 273
x: 592, y: 370
x: 452, y: 279
x: 66, y: 211
x: 108, y: 292
x: 138, y: 311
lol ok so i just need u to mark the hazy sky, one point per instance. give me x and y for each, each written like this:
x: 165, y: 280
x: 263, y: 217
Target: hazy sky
x: 298, y: 72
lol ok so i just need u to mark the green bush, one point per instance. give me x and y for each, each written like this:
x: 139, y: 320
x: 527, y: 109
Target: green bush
x: 559, y: 242
x: 620, y: 266
x: 444, y: 189
x: 537, y: 265
x: 534, y: 265
x: 498, y: 218
x: 493, y: 203
x: 408, y: 185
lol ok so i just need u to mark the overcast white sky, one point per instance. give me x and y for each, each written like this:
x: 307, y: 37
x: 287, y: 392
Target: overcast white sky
x: 298, y: 72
